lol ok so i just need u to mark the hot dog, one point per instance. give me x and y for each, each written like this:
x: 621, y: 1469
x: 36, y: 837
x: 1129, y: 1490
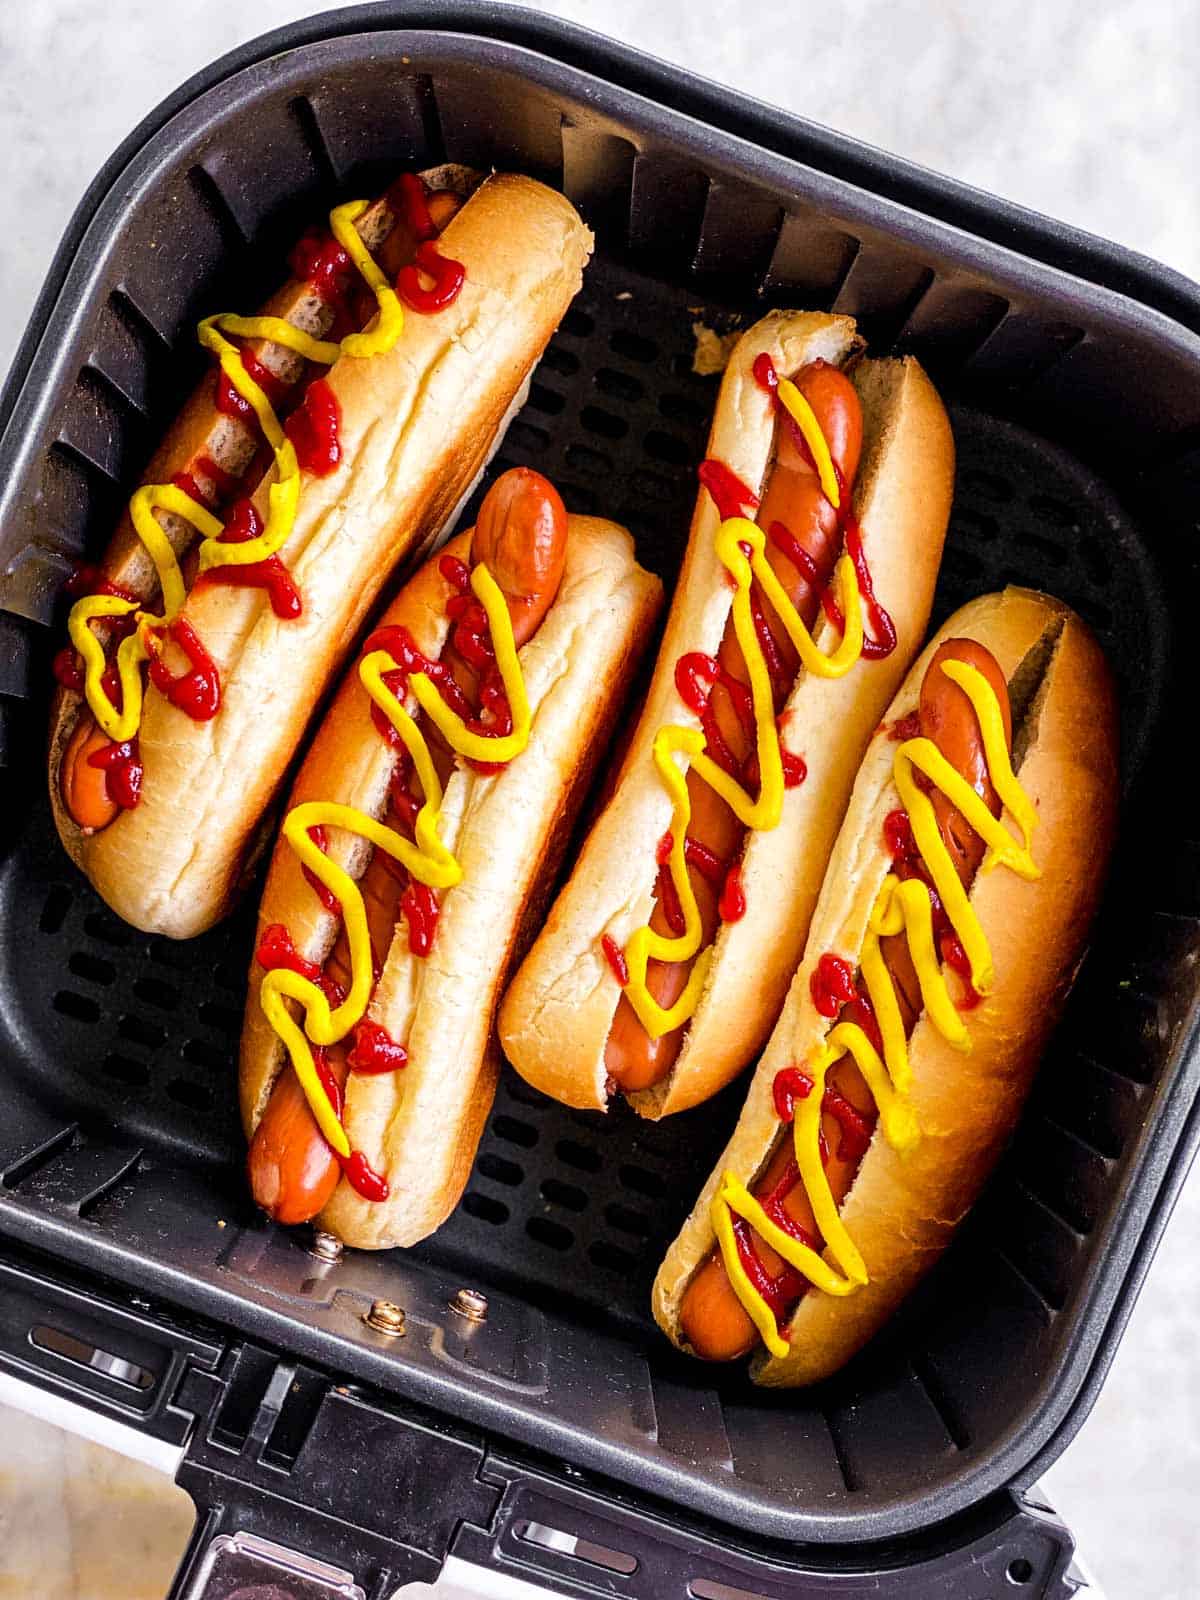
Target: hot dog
x: 337, y: 432
x: 804, y: 593
x: 409, y: 1068
x: 793, y: 500
x: 712, y: 1319
x: 926, y: 992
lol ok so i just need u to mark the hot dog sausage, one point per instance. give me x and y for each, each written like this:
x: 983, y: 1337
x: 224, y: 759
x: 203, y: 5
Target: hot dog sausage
x: 213, y: 452
x: 713, y: 1319
x: 793, y: 497
x: 521, y: 538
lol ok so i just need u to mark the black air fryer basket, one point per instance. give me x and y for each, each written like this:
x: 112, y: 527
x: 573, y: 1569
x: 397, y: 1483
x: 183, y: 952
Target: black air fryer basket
x: 562, y: 1439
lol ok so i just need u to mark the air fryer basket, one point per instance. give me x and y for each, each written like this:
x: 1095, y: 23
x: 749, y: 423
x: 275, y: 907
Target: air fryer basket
x: 1076, y: 410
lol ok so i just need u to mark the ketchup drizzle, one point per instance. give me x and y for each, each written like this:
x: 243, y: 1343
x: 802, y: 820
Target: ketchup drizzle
x: 668, y: 895
x: 447, y: 274
x: 323, y: 892
x: 693, y: 672
x: 789, y: 1085
x: 774, y: 1291
x: 832, y: 984
x: 706, y: 862
x: 68, y: 669
x: 362, y: 1177
x: 319, y: 260
x: 955, y: 957
x: 67, y: 666
x: 880, y: 639
x: 456, y: 573
x: 313, y: 428
x: 732, y: 905
x: 375, y: 1051
x: 85, y: 578
x: 276, y: 949
x: 122, y: 769
x: 242, y: 524
x: 772, y: 1204
x: 231, y: 404
x: 898, y: 836
x: 615, y: 957
x: 733, y: 498
x: 906, y: 727
x: 419, y: 905
x: 409, y: 199
x: 224, y: 484
x: 400, y: 645
x: 197, y: 692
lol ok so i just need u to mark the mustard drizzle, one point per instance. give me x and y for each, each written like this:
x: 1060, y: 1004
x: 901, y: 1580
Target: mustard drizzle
x: 899, y: 906
x: 283, y: 493
x: 764, y: 811
x: 425, y: 857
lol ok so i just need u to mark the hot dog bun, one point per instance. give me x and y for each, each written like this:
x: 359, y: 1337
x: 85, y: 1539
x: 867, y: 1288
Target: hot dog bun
x: 902, y: 1210
x: 420, y: 1126
x: 558, y: 1012
x: 418, y: 423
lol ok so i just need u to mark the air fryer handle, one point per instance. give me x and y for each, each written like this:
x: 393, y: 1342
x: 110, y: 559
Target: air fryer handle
x: 577, y: 1543
x: 118, y: 1359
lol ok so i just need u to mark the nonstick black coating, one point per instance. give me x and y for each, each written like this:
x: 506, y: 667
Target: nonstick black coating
x: 1074, y: 411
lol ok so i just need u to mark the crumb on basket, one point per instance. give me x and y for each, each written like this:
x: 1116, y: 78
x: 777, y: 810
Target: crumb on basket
x: 712, y: 350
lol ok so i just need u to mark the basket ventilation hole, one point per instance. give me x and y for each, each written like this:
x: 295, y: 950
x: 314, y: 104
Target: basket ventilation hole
x: 552, y: 1234
x: 126, y: 1070
x: 203, y: 1054
x: 664, y: 447
x: 578, y: 1155
x: 568, y: 1544
x: 683, y: 408
x: 527, y: 437
x: 98, y: 925
x: 547, y: 401
x: 567, y: 1195
x: 54, y: 912
x: 499, y: 1170
x: 628, y: 1221
x: 605, y: 423
x: 157, y: 993
x: 632, y: 346
x: 186, y: 1093
x: 223, y: 1018
x: 138, y: 1031
x: 564, y: 362
x: 593, y: 462
x: 484, y: 1208
x: 70, y: 1004
x: 619, y: 385
x: 93, y: 968
x: 642, y: 1182
x: 611, y: 1258
x: 513, y: 1131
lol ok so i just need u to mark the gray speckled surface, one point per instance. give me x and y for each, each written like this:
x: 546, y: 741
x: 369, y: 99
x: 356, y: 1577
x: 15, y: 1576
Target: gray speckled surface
x: 1087, y: 111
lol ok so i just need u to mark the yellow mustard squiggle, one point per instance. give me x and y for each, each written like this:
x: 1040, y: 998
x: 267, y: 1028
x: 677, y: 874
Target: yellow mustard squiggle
x: 899, y: 907
x: 283, y: 493
x: 427, y: 859
x: 762, y: 812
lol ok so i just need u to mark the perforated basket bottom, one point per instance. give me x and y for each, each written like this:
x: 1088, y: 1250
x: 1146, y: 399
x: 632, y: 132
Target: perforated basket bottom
x: 139, y: 1034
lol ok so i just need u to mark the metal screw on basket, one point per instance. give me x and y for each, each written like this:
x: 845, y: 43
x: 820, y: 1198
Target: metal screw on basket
x: 471, y: 1304
x: 385, y: 1317
x: 326, y: 1246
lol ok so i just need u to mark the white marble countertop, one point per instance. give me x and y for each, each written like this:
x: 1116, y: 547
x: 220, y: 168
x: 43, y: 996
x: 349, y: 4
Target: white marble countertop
x: 1085, y: 109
